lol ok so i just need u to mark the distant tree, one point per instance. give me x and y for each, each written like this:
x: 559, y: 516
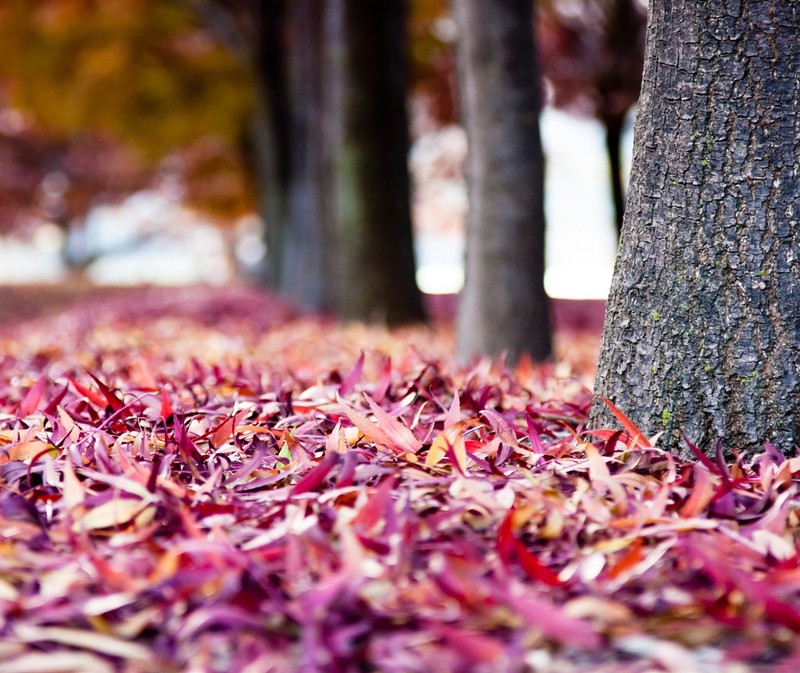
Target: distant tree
x: 702, y: 330
x: 315, y: 98
x: 284, y: 41
x: 369, y: 180
x: 331, y: 145
x: 503, y: 306
x: 592, y: 54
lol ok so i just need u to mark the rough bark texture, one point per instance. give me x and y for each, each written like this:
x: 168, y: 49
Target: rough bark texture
x: 369, y: 181
x: 503, y: 306
x: 702, y: 330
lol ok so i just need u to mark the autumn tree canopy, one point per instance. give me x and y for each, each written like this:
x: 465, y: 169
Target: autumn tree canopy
x: 143, y: 77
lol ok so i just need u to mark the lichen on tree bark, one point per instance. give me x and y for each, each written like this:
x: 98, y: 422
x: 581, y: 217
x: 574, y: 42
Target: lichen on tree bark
x: 702, y: 331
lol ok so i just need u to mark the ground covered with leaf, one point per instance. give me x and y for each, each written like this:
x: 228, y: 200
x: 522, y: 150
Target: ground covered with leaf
x: 209, y: 482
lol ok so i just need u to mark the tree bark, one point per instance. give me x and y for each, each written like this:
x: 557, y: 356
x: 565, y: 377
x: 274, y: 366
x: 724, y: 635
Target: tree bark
x: 367, y: 132
x: 503, y: 306
x: 702, y: 329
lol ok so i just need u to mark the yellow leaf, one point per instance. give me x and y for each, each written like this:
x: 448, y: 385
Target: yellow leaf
x: 87, y: 640
x: 115, y: 512
x: 437, y: 450
x: 8, y: 592
x: 353, y: 435
x: 450, y: 438
x: 28, y: 450
x: 71, y: 487
x: 554, y: 524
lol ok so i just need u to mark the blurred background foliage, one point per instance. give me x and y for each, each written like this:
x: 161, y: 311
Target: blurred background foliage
x: 102, y: 98
x: 102, y: 92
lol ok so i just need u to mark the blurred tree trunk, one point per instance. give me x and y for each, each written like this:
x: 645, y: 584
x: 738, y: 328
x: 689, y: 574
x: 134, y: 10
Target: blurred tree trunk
x: 288, y: 146
x: 305, y: 265
x: 503, y: 306
x: 271, y: 156
x: 367, y: 136
x: 702, y: 329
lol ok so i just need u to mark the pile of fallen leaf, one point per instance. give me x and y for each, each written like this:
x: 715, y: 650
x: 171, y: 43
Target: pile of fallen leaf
x: 235, y: 494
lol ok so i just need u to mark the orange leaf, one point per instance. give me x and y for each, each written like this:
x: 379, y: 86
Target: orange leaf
x: 27, y: 450
x: 629, y: 561
x: 448, y: 440
x: 702, y: 493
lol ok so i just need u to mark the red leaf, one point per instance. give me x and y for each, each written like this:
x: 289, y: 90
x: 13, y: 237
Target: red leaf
x: 112, y: 399
x: 629, y: 561
x: 383, y: 383
x: 374, y: 510
x: 350, y: 381
x: 702, y: 493
x: 88, y: 393
x: 505, y: 539
x: 719, y: 454
x: 32, y: 398
x: 316, y: 476
x: 509, y: 548
x: 782, y: 613
x: 166, y: 406
x: 534, y: 435
x: 225, y: 430
x: 637, y: 436
x: 385, y: 431
x: 703, y: 458
x: 535, y: 569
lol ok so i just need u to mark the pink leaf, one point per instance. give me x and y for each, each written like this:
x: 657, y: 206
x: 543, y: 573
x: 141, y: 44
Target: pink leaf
x: 385, y: 431
x: 33, y: 397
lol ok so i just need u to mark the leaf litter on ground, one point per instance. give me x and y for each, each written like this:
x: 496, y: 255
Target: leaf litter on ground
x: 178, y: 494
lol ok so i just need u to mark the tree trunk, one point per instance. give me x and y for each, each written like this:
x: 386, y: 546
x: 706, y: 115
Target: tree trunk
x: 271, y: 147
x: 503, y: 306
x: 614, y: 126
x: 333, y: 143
x: 305, y: 265
x: 367, y: 132
x: 702, y: 330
